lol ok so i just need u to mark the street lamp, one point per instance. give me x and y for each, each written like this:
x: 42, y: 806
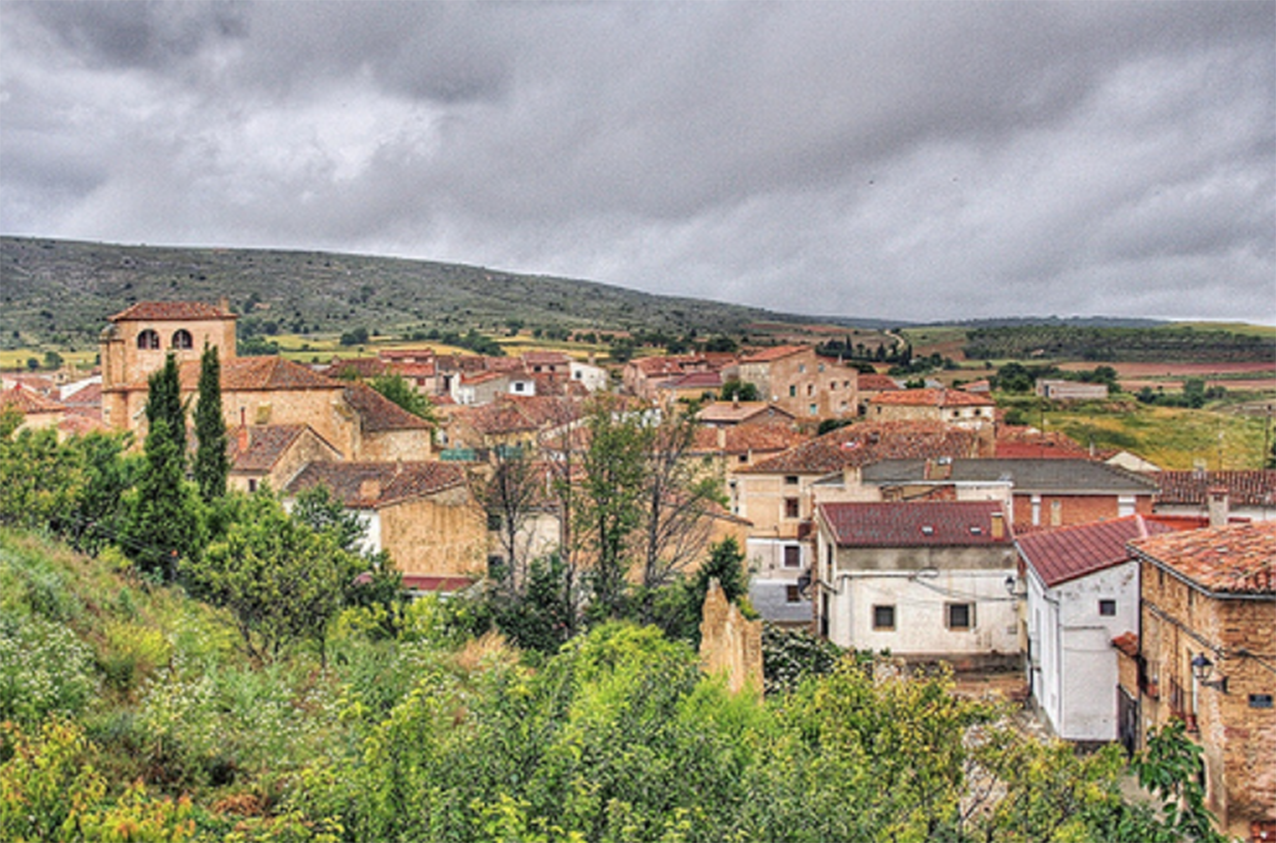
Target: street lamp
x: 1202, y: 669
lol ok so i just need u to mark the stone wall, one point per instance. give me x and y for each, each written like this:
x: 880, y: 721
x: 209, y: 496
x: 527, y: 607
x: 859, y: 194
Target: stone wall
x: 730, y: 644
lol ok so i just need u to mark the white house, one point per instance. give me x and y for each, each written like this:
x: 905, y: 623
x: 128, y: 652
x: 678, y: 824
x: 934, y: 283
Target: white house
x: 926, y: 580
x: 1082, y: 592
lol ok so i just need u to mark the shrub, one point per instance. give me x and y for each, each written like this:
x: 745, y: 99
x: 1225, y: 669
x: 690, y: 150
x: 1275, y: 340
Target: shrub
x: 44, y: 669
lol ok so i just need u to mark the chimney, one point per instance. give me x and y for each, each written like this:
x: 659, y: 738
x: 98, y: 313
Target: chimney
x: 735, y: 401
x: 1218, y: 506
x: 722, y: 438
x: 243, y: 432
x: 369, y: 489
x: 223, y: 304
x: 998, y: 526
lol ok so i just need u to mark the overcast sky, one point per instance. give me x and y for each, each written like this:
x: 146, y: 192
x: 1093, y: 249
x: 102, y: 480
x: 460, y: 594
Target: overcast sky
x: 902, y: 160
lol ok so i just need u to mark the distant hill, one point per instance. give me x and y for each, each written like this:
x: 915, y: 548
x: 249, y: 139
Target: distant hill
x: 60, y: 292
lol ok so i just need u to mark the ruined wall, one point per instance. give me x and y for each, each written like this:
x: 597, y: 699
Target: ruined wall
x: 730, y: 644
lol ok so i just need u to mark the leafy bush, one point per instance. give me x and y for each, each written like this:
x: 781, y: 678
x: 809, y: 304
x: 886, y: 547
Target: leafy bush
x: 44, y: 670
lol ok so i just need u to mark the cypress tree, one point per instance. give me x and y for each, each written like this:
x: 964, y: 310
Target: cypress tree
x: 164, y: 401
x: 167, y: 523
x: 212, y: 465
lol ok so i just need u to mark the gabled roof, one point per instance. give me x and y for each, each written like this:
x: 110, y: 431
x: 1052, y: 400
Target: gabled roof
x: 357, y: 367
x: 259, y: 373
x: 930, y: 398
x: 1029, y: 443
x: 86, y: 395
x: 367, y: 485
x: 779, y: 352
x: 866, y: 443
x: 921, y: 524
x: 494, y: 419
x: 1244, y: 488
x: 553, y: 358
x: 1057, y: 476
x: 693, y: 380
x: 266, y: 444
x: 1234, y: 560
x: 876, y: 383
x: 1070, y: 552
x: 762, y: 437
x: 734, y: 412
x: 28, y: 401
x: 171, y: 311
x: 380, y: 414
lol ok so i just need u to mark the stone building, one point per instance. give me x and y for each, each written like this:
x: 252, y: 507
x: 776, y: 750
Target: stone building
x: 803, y: 384
x: 1205, y: 653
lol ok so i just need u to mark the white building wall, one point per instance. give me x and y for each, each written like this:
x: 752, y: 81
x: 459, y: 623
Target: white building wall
x: 1075, y: 684
x: 920, y: 600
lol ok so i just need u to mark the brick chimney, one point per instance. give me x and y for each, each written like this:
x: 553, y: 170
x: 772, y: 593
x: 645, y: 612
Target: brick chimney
x: 1219, y: 505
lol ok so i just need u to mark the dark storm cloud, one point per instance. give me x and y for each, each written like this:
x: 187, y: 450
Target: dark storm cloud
x: 923, y: 160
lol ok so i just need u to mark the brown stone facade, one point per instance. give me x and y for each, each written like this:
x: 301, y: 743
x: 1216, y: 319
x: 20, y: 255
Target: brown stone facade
x: 730, y: 644
x: 809, y: 387
x: 445, y: 533
x: 1235, y: 725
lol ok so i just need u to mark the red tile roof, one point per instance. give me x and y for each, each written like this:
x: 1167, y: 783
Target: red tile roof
x: 1067, y: 553
x: 762, y: 437
x: 931, y: 398
x: 556, y: 358
x: 767, y: 355
x: 357, y: 367
x: 693, y: 380
x: 259, y: 373
x: 920, y: 524
x: 29, y: 402
x: 1236, y: 559
x: 1128, y: 643
x: 864, y: 443
x: 367, y: 485
x: 89, y: 395
x: 876, y: 383
x: 727, y: 412
x: 440, y: 583
x: 380, y: 414
x: 265, y: 445
x: 1029, y: 443
x: 1244, y: 488
x: 171, y: 311
x: 80, y: 424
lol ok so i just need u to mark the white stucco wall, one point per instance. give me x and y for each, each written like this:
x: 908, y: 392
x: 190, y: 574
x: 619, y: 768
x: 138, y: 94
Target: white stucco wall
x: 1074, y: 663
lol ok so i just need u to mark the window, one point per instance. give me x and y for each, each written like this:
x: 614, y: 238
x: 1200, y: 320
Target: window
x: 790, y: 507
x: 792, y: 594
x: 493, y: 521
x: 148, y: 339
x: 813, y: 410
x: 793, y: 390
x: 792, y: 556
x: 960, y: 615
x: 790, y: 479
x: 883, y: 617
x: 810, y: 390
x: 820, y: 367
x: 1107, y: 608
x: 252, y: 484
x: 801, y: 368
x: 182, y: 339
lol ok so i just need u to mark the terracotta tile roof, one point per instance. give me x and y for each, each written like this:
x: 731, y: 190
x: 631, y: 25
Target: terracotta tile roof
x: 763, y: 437
x: 729, y: 412
x: 876, y: 383
x: 922, y: 524
x: 1236, y: 559
x: 28, y: 401
x: 482, y: 377
x: 258, y: 373
x: 504, y: 364
x: 1127, y: 643
x: 80, y: 424
x: 1067, y: 553
x: 553, y: 358
x: 380, y: 414
x: 931, y: 398
x: 767, y: 355
x: 1244, y: 488
x: 437, y: 583
x: 1030, y: 443
x: 89, y: 395
x: 414, y: 370
x: 865, y: 443
x: 36, y: 383
x: 667, y: 365
x: 265, y: 445
x: 418, y: 355
x: 693, y: 380
x: 356, y: 367
x: 545, y: 409
x: 170, y: 311
x: 494, y: 419
x: 368, y: 485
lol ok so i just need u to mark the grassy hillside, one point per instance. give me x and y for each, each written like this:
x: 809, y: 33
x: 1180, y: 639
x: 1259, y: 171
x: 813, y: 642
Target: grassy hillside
x: 59, y: 292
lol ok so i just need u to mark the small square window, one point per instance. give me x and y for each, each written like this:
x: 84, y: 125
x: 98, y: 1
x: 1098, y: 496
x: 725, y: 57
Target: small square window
x: 1107, y: 608
x: 790, y: 479
x: 960, y: 615
x: 792, y: 594
x: 792, y: 556
x: 790, y: 507
x: 883, y: 617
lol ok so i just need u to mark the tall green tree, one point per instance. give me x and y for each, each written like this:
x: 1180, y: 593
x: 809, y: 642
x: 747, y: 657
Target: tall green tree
x: 609, y: 505
x: 212, y: 464
x: 164, y: 401
x: 165, y: 522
